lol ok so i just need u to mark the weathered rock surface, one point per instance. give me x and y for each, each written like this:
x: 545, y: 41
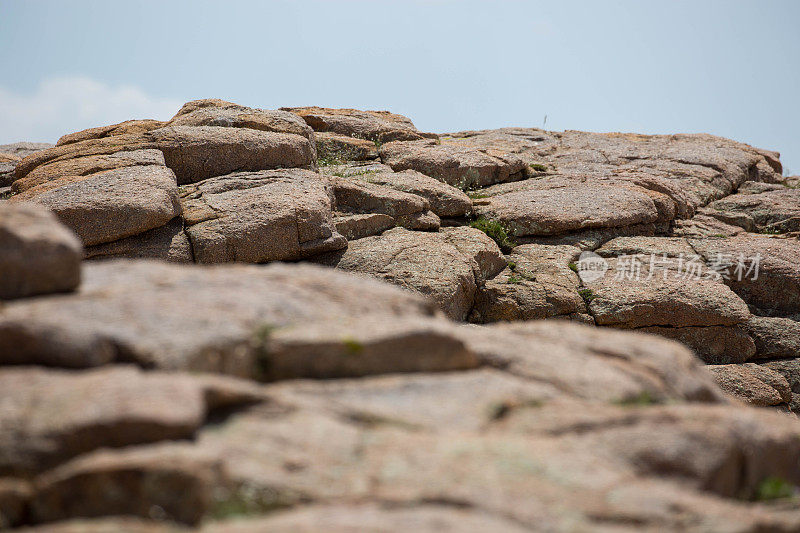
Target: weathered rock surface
x: 11, y: 154
x: 257, y: 217
x: 763, y: 271
x: 177, y: 308
x: 447, y: 266
x: 755, y: 384
x: 169, y: 243
x: 56, y: 415
x: 334, y: 148
x: 537, y: 284
x: 380, y: 126
x: 38, y: 255
x: 761, y: 208
x: 775, y: 338
x: 632, y: 295
x: 362, y: 197
x: 111, y: 205
x: 461, y: 167
x: 122, y: 406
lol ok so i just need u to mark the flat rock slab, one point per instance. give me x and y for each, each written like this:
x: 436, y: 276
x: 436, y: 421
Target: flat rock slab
x: 213, y: 112
x: 445, y: 266
x: 546, y: 210
x: 692, y: 170
x: 167, y: 316
x: 716, y: 345
x: 107, y: 206
x: 38, y: 255
x: 763, y: 271
x: 444, y: 200
x: 462, y: 167
x: 754, y: 384
x: 257, y: 217
x: 760, y: 208
x: 631, y: 298
x: 362, y: 197
x: 193, y: 153
x: 168, y: 243
x: 381, y: 126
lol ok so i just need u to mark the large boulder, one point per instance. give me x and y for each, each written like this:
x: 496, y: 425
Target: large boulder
x: 257, y: 217
x: 764, y: 271
x: 448, y: 266
x: 110, y: 205
x: 38, y: 255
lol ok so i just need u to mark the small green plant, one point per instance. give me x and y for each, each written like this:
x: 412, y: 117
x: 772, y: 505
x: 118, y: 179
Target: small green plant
x: 496, y: 230
x: 511, y: 264
x: 587, y: 295
x: 770, y: 231
x: 573, y: 267
x: 328, y: 160
x: 475, y: 195
x: 352, y: 346
x: 261, y: 337
x: 538, y: 167
x: 643, y: 398
x: 774, y: 488
x: 6, y: 195
x: 514, y: 279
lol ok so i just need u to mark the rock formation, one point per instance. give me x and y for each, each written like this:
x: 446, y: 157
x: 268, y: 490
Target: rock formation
x: 388, y: 369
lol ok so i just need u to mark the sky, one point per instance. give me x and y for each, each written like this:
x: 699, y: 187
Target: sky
x: 727, y: 67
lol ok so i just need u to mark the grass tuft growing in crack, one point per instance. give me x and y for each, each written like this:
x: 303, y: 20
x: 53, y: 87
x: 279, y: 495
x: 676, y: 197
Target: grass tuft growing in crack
x: 497, y: 231
x: 587, y: 294
x: 774, y: 488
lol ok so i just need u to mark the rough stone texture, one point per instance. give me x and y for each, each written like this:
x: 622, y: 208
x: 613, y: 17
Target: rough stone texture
x: 257, y: 217
x: 760, y: 207
x: 47, y: 410
x: 364, y: 225
x: 176, y: 479
x: 364, y: 407
x: 774, y: 338
x: 169, y: 243
x: 661, y: 297
x: 454, y: 165
x: 381, y: 126
x: 789, y: 369
x: 213, y: 112
x: 84, y: 166
x: 195, y: 153
x: 111, y: 205
x: 446, y: 266
x: 444, y: 200
x: 542, y: 208
x: 361, y: 197
x: 755, y: 384
x: 660, y: 246
x: 713, y: 344
x: 166, y: 316
x: 540, y: 284
x: 776, y: 289
x: 37, y: 254
x: 129, y: 127
x: 11, y: 154
x: 335, y: 148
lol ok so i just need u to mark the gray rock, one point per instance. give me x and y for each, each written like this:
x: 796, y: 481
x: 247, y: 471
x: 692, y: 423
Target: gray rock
x: 38, y: 255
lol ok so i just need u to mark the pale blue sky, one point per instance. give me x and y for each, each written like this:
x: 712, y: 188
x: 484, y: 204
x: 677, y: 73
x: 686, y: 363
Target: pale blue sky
x: 730, y: 68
